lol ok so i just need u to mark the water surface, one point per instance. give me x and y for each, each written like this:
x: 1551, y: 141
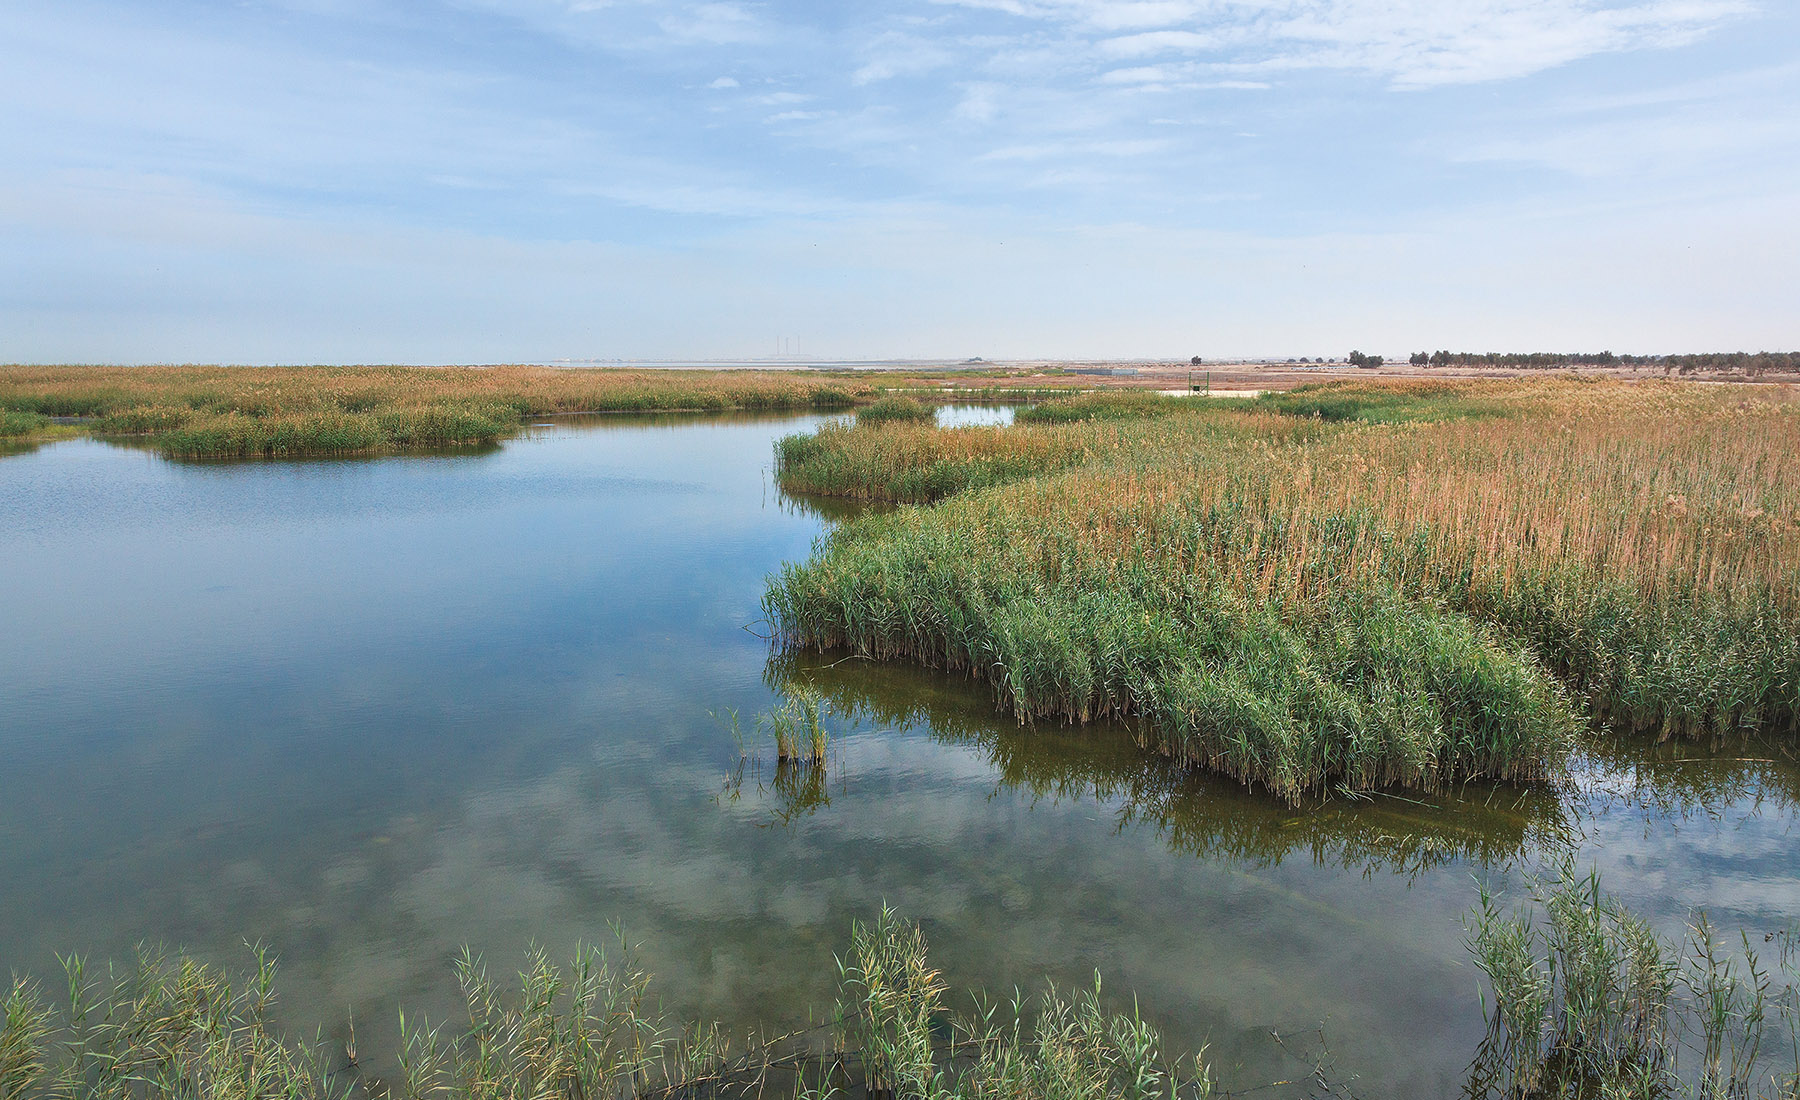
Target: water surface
x: 369, y: 711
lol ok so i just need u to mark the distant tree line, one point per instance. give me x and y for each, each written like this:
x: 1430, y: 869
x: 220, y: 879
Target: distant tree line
x: 1749, y: 364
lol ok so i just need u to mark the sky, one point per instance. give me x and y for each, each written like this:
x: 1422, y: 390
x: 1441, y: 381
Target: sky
x: 425, y: 181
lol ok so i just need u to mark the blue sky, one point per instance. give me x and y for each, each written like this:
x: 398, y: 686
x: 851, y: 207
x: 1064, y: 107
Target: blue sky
x: 487, y: 180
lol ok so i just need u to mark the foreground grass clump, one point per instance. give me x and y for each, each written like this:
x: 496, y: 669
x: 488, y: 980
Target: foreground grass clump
x: 1589, y: 1001
x: 244, y: 411
x: 1297, y: 602
x: 896, y: 409
x: 177, y: 1029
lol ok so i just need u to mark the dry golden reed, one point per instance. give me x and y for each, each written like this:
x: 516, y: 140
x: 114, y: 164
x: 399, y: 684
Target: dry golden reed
x: 1434, y: 582
x: 241, y: 411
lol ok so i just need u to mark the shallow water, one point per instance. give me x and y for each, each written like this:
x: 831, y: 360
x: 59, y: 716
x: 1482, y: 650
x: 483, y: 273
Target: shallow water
x: 970, y: 416
x: 369, y: 711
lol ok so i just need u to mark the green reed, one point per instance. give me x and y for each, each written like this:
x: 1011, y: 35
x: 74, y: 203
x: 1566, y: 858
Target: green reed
x: 1193, y: 811
x: 174, y: 1028
x: 1104, y: 405
x: 908, y: 463
x: 1587, y: 1000
x: 1415, y: 402
x: 16, y: 422
x: 895, y: 408
x: 1297, y: 602
x: 1583, y: 999
x: 798, y: 726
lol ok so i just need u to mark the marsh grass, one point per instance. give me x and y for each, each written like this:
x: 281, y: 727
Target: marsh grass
x: 895, y: 408
x: 1104, y: 405
x: 281, y: 411
x: 1399, y: 403
x: 907, y: 463
x: 1194, y: 812
x: 14, y: 422
x: 1582, y: 997
x: 173, y: 1028
x: 961, y: 392
x: 1587, y: 1000
x: 909, y: 1045
x: 798, y: 726
x: 1297, y: 602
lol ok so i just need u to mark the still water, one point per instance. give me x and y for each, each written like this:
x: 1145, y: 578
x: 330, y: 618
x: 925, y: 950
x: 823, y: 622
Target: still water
x: 367, y: 712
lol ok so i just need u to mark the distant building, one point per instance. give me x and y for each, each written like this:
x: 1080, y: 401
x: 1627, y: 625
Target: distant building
x: 1116, y: 371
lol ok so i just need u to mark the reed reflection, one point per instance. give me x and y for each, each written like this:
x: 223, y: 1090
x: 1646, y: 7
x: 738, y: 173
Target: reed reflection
x: 1194, y: 812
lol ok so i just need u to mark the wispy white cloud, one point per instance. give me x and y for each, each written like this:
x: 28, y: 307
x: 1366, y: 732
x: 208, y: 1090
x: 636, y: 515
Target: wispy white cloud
x: 1175, y: 78
x: 980, y: 102
x: 1145, y: 74
x: 1414, y: 43
x: 1709, y: 135
x: 715, y: 24
x: 649, y: 128
x: 895, y: 54
x: 1078, y: 150
x: 631, y: 25
x: 1150, y: 43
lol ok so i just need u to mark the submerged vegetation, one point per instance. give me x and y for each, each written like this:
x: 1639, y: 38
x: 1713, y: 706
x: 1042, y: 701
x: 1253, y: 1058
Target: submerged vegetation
x: 178, y: 1029
x: 798, y: 727
x: 247, y: 411
x: 1437, y: 581
x: 1583, y: 999
x: 1589, y: 1001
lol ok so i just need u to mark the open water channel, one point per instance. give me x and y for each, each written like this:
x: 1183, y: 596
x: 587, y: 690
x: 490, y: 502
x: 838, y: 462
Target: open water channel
x: 369, y: 711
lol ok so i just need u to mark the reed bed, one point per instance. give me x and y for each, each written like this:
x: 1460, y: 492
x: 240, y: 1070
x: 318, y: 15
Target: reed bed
x: 1298, y: 603
x: 961, y: 392
x: 1114, y: 405
x: 242, y: 411
x: 1194, y: 812
x: 912, y: 464
x: 1384, y: 403
x: 13, y: 422
x: 896, y: 408
x: 177, y: 1029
